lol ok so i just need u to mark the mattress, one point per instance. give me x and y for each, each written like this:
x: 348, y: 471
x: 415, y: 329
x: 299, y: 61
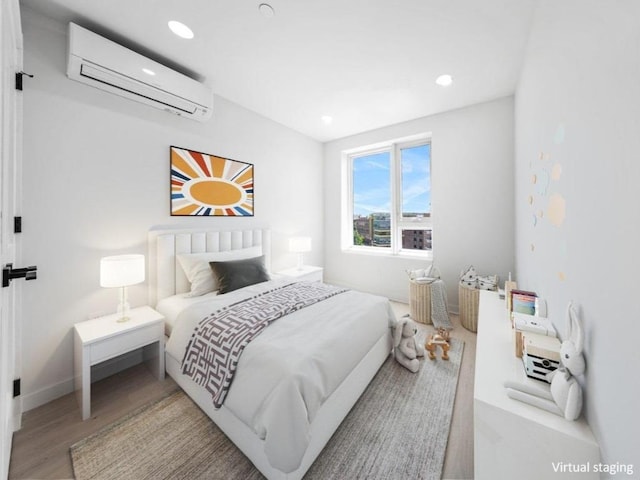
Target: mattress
x: 286, y: 373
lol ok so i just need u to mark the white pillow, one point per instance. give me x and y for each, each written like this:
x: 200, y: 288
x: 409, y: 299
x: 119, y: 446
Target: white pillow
x: 420, y: 272
x: 198, y: 271
x: 489, y: 282
x: 469, y: 277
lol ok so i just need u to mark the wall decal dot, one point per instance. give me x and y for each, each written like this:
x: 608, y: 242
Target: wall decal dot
x: 530, y: 199
x: 558, y: 138
x: 556, y: 171
x: 533, y: 247
x: 561, y: 276
x: 542, y: 182
x: 540, y: 213
x: 534, y: 178
x: 557, y: 209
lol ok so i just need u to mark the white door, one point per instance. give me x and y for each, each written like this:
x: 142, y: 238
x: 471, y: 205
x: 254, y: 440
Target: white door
x: 10, y: 157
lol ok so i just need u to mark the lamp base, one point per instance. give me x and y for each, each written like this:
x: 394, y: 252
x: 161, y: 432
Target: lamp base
x: 123, y: 307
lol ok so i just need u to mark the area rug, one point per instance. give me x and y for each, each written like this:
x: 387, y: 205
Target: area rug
x: 397, y: 429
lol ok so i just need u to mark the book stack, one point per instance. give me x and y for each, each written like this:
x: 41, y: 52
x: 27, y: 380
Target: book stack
x: 523, y: 302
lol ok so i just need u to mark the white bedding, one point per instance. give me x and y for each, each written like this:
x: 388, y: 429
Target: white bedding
x: 287, y: 372
x: 173, y: 306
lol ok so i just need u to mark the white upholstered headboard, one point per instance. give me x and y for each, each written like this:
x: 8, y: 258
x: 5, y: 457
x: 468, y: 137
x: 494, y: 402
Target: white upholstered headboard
x: 166, y: 276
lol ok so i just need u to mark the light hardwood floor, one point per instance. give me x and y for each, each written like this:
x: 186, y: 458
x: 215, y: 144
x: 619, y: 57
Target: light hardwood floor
x: 41, y: 447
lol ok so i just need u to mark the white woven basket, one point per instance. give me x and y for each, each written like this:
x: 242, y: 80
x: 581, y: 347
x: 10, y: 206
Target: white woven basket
x: 468, y: 300
x: 420, y: 301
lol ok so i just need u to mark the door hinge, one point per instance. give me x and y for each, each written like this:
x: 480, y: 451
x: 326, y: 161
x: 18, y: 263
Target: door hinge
x: 19, y: 76
x: 17, y: 224
x: 9, y: 273
x: 16, y: 388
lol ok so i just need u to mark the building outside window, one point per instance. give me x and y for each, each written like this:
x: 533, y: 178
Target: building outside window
x: 388, y: 204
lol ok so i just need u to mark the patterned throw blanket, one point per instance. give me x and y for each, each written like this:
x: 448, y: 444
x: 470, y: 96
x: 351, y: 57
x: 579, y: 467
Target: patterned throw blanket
x: 215, y: 347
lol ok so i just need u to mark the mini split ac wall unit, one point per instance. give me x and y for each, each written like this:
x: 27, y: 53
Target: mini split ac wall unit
x: 104, y: 64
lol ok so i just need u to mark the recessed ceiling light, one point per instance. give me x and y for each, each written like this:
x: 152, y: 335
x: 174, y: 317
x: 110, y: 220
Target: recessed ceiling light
x: 180, y: 29
x: 148, y: 72
x: 327, y: 119
x: 266, y: 10
x: 444, y: 80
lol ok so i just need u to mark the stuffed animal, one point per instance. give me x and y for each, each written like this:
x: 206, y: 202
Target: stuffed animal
x: 406, y: 349
x: 564, y: 396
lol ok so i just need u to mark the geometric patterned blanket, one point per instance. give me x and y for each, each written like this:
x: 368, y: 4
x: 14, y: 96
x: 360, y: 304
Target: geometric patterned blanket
x: 212, y: 354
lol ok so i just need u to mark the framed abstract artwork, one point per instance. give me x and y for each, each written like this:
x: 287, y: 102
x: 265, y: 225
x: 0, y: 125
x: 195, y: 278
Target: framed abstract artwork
x: 208, y: 185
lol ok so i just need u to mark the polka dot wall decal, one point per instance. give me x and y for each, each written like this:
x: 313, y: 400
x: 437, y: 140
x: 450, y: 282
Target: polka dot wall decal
x: 558, y: 138
x: 561, y: 276
x: 543, y: 182
x: 530, y: 199
x: 556, y: 172
x: 557, y: 209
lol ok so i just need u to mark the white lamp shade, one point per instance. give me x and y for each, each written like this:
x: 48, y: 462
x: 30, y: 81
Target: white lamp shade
x: 121, y: 270
x: 300, y: 244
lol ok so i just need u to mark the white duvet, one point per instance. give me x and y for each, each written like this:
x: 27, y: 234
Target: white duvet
x: 286, y: 373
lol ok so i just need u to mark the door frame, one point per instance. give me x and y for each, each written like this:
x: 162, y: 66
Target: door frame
x: 11, y: 48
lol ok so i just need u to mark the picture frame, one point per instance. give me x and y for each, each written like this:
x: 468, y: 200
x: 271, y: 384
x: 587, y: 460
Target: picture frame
x: 208, y: 185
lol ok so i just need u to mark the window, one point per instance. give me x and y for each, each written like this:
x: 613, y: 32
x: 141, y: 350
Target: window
x: 388, y: 204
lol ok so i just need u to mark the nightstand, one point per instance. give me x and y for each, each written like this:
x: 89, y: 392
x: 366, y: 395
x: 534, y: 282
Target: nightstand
x: 104, y: 338
x: 307, y: 273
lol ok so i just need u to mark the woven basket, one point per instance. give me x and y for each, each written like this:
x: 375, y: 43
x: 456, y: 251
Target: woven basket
x: 468, y: 300
x: 420, y: 301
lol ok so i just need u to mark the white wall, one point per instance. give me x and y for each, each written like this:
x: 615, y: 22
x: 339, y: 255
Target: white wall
x: 96, y: 178
x: 582, y: 75
x: 472, y: 187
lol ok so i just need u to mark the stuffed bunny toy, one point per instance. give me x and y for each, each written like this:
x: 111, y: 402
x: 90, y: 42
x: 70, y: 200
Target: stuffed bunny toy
x: 406, y: 349
x: 564, y: 396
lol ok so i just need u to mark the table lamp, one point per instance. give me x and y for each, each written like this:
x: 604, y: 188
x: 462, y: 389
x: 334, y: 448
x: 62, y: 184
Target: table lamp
x: 122, y: 271
x: 300, y: 245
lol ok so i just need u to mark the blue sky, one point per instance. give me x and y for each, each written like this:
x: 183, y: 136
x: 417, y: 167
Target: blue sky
x: 371, y: 181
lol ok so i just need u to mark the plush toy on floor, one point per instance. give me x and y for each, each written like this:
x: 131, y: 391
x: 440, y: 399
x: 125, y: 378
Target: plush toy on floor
x: 406, y: 349
x: 564, y: 396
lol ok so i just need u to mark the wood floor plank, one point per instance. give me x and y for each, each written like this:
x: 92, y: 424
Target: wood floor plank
x: 41, y: 447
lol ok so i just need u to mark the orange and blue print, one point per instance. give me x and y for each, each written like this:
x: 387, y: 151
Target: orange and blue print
x: 207, y: 185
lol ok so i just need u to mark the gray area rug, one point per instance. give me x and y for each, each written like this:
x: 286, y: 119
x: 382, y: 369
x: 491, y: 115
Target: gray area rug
x: 397, y: 430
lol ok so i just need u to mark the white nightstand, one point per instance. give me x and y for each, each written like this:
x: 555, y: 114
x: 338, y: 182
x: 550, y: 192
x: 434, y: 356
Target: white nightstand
x: 103, y: 338
x: 307, y: 273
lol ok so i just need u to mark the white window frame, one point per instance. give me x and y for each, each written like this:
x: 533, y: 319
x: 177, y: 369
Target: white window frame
x: 398, y: 223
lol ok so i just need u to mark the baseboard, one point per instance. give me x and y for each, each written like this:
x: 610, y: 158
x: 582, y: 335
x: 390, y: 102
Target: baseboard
x: 45, y: 395
x: 98, y: 372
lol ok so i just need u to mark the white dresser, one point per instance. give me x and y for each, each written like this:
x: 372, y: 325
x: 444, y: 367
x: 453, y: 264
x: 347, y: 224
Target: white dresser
x: 513, y: 439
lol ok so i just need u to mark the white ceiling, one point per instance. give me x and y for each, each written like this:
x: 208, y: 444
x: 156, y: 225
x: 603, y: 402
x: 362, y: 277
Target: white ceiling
x: 366, y: 63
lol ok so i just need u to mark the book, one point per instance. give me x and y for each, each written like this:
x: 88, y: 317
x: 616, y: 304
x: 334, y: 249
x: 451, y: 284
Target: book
x: 523, y: 301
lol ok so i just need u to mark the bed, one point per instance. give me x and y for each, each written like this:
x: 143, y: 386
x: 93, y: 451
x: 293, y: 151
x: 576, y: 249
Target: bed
x: 298, y: 379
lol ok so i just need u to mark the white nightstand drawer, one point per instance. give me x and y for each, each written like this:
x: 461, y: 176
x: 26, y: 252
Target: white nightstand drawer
x: 114, y: 346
